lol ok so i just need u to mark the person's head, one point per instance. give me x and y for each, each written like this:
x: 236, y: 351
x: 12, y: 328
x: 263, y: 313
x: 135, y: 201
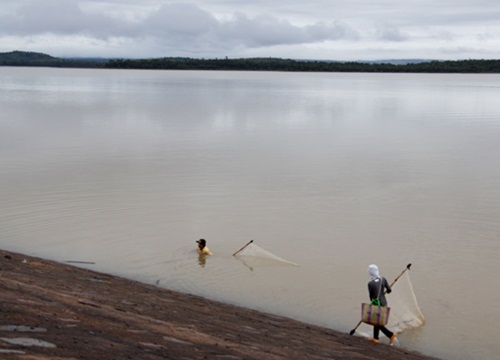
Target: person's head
x: 373, y: 271
x: 202, y: 243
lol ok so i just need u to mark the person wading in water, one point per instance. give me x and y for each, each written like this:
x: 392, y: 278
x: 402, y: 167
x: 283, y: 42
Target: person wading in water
x: 203, y: 248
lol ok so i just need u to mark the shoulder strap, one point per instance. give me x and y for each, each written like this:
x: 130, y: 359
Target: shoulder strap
x: 380, y: 287
x: 376, y: 301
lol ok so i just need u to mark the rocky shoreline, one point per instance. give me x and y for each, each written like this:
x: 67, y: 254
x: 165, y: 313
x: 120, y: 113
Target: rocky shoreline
x: 51, y: 310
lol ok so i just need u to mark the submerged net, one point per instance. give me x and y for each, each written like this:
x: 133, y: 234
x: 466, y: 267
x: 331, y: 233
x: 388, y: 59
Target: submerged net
x: 253, y: 255
x: 405, y: 312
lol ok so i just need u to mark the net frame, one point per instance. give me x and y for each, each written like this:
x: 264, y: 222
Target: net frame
x: 252, y: 255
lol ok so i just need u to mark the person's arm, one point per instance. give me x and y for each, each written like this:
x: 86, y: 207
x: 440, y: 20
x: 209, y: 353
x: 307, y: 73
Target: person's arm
x: 387, y: 286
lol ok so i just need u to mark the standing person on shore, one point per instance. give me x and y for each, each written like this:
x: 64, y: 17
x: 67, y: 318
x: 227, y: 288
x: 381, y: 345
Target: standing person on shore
x: 203, y: 248
x: 376, y: 287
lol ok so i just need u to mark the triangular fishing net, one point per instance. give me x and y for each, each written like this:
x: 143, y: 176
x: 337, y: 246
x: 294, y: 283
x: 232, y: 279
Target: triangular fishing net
x: 405, y: 312
x: 253, y: 255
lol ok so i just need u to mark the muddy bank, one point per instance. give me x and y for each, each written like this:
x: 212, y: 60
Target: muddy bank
x: 51, y: 310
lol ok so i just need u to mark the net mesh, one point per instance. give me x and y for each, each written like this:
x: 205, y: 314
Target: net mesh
x: 253, y: 255
x: 405, y: 312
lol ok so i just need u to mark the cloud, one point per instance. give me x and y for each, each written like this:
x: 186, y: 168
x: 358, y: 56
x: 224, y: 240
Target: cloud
x: 212, y: 28
x: 171, y: 26
x: 391, y: 34
x: 179, y: 20
x: 178, y: 23
x: 266, y: 30
x: 60, y: 17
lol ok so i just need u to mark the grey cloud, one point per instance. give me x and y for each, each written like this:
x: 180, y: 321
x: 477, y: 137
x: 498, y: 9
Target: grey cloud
x: 177, y: 24
x: 43, y: 17
x: 259, y: 31
x: 60, y: 17
x: 392, y: 34
x: 210, y: 27
x: 268, y: 30
x: 334, y: 31
x: 179, y: 20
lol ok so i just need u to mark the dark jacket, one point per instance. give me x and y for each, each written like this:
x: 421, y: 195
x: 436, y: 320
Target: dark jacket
x: 379, y: 284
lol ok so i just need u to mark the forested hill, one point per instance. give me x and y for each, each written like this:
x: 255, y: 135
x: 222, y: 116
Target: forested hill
x: 26, y: 58
x: 21, y: 58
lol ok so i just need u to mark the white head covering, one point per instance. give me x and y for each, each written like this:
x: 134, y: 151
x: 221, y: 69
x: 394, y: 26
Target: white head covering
x: 373, y: 271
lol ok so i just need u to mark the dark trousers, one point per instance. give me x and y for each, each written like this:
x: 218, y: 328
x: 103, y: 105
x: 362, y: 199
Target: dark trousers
x: 386, y: 331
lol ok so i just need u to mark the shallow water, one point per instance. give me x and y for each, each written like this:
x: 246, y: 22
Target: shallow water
x: 127, y: 169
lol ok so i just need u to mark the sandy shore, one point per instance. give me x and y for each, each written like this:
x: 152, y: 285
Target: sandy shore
x: 51, y: 310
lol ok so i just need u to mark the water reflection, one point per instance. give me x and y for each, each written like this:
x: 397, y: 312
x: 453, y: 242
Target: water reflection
x: 202, y: 260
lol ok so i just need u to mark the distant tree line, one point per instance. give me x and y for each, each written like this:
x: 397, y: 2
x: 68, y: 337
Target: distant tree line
x: 20, y: 58
x: 275, y: 64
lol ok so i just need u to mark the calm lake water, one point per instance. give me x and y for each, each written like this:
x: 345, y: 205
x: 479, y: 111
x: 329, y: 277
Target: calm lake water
x: 331, y: 171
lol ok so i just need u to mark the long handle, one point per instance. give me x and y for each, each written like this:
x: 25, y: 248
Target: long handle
x: 251, y: 241
x: 392, y: 284
x: 396, y: 279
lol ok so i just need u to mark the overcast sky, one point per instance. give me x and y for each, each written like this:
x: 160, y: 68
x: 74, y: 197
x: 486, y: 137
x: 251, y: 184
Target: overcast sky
x: 314, y: 29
